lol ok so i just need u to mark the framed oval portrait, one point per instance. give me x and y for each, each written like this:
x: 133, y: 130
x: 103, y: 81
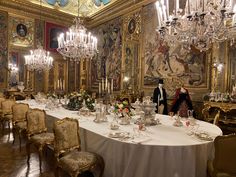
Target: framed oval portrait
x: 21, y: 30
x: 131, y: 26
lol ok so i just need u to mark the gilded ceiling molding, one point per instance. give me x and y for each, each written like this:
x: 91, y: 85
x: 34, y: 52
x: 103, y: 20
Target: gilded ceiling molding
x: 118, y: 8
x: 28, y: 9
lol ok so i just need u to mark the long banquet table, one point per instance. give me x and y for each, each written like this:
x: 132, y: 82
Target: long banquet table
x: 160, y: 151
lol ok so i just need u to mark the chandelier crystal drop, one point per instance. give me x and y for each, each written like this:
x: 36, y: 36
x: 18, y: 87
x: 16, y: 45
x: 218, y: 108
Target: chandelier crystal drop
x: 39, y: 60
x: 77, y: 43
x: 200, y: 24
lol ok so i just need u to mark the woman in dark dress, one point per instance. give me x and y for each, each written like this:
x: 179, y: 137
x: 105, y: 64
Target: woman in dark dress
x: 182, y: 102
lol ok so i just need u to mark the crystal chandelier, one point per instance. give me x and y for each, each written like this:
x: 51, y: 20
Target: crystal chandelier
x: 77, y: 43
x: 39, y: 59
x: 200, y: 24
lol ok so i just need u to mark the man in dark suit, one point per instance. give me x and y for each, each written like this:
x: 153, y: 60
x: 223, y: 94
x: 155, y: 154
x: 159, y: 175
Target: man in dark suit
x: 159, y: 97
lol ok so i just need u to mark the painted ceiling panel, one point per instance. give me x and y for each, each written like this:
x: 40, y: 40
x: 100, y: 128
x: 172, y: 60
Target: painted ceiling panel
x: 86, y: 7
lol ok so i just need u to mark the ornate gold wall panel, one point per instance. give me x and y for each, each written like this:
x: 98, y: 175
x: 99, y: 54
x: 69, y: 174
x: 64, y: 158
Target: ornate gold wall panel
x: 21, y: 31
x: 132, y: 26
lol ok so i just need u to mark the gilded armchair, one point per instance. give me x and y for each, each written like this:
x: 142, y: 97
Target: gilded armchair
x: 19, y: 120
x: 224, y: 163
x: 67, y: 150
x: 37, y: 132
x: 6, y: 114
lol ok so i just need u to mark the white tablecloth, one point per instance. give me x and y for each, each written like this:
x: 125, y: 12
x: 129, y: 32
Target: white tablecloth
x: 160, y: 151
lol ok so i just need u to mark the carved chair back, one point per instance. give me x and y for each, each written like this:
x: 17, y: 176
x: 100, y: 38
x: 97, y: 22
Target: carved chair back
x: 36, y: 121
x: 7, y: 106
x: 66, y: 132
x: 19, y: 112
x: 225, y: 154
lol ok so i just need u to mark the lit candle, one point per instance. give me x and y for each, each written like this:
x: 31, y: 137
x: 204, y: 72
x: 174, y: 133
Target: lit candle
x: 106, y: 84
x: 164, y: 13
x: 108, y: 87
x: 202, y: 5
x: 177, y: 5
x: 167, y: 9
x: 234, y: 16
x: 99, y: 88
x: 58, y: 83
x: 102, y: 84
x: 111, y: 85
x: 158, y: 14
x: 188, y: 7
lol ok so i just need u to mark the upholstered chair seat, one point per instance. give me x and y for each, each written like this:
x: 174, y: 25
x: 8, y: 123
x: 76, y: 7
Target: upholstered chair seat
x: 6, y: 114
x: 21, y: 125
x: 224, y: 163
x: 78, y: 160
x: 67, y: 150
x: 42, y: 138
x: 37, y: 132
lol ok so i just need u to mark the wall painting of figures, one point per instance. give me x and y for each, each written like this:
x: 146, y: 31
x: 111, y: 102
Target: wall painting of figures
x: 188, y: 66
x: 107, y: 63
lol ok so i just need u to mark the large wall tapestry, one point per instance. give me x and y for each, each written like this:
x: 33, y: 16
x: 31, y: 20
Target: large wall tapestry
x: 21, y: 31
x: 3, y: 49
x: 162, y: 61
x: 108, y: 61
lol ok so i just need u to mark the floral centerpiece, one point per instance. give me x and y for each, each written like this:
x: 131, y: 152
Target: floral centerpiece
x: 76, y: 100
x: 52, y: 95
x: 123, y: 108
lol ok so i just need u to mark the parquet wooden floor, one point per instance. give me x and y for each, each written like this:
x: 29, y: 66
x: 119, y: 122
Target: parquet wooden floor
x: 13, y: 163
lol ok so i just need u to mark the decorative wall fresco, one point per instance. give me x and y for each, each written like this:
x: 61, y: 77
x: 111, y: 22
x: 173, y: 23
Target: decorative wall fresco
x: 87, y: 7
x: 108, y: 61
x: 162, y: 61
x: 3, y: 48
x: 21, y: 31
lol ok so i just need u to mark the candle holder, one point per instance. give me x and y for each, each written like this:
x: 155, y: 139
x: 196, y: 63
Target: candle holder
x: 60, y: 94
x: 105, y: 90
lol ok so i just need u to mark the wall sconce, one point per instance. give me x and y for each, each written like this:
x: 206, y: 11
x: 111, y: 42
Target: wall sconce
x: 13, y: 68
x: 218, y: 66
x: 126, y: 79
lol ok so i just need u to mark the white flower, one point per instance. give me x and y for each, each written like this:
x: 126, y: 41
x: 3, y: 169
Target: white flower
x: 120, y: 106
